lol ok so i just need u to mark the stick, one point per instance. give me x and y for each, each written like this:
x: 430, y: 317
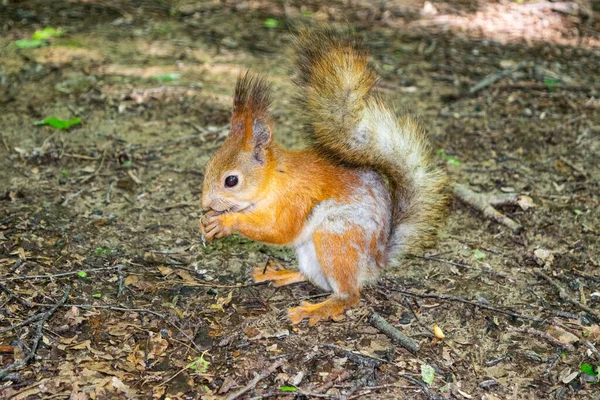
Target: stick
x: 9, y: 292
x: 422, y: 385
x: 496, y: 76
x: 448, y: 297
x: 357, y: 358
x: 39, y: 333
x: 398, y: 337
x: 257, y: 378
x: 465, y: 266
x: 19, y: 278
x: 28, y: 320
x: 542, y: 335
x: 565, y: 296
x: 592, y: 348
x: 483, y: 203
x: 360, y: 382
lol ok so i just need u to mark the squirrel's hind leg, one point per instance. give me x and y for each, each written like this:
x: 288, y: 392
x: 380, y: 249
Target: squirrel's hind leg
x: 339, y: 255
x: 279, y: 276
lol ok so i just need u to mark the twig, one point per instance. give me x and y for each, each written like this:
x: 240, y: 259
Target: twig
x: 39, y: 333
x: 422, y: 385
x: 496, y: 76
x: 465, y: 266
x: 483, y: 203
x: 448, y: 297
x: 542, y: 335
x: 23, y: 323
x: 360, y: 382
x: 358, y: 358
x: 341, y: 377
x: 9, y: 292
x: 565, y: 296
x: 52, y: 276
x: 398, y: 337
x: 256, y: 379
x: 592, y: 348
x: 111, y: 185
x: 121, y: 280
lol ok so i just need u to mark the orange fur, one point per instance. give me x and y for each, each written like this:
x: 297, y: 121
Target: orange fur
x: 279, y: 277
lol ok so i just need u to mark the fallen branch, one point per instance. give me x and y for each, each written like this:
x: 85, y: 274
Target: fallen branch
x: 53, y: 276
x: 359, y: 383
x: 23, y: 323
x: 565, y: 296
x: 398, y: 337
x: 542, y: 335
x: 341, y: 376
x: 485, y: 204
x: 448, y: 297
x: 257, y: 378
x: 496, y: 76
x: 592, y: 348
x: 465, y: 266
x: 39, y: 333
x: 422, y: 385
x: 10, y: 293
x: 357, y: 358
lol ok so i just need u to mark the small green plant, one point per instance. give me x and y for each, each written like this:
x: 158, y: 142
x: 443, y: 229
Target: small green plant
x: 82, y: 274
x: 478, y: 254
x: 65, y: 172
x: 128, y: 163
x: 287, y: 388
x: 39, y: 38
x: 449, y: 159
x: 29, y: 43
x: 271, y: 23
x: 552, y: 83
x: 97, y: 295
x: 58, y: 123
x: 100, y: 251
x: 199, y: 365
x: 588, y: 369
x: 47, y: 33
x: 168, y: 77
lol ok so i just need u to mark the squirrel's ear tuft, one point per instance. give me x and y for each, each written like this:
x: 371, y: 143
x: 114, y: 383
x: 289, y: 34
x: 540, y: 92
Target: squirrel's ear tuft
x: 251, y: 113
x: 252, y: 94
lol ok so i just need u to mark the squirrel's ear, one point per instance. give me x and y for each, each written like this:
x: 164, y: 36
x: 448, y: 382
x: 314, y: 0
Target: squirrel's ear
x: 259, y: 138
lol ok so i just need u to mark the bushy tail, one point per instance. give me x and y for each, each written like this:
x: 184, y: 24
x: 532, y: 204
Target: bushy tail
x: 351, y: 125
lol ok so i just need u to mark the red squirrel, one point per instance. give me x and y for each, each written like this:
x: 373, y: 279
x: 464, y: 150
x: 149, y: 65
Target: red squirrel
x: 364, y: 191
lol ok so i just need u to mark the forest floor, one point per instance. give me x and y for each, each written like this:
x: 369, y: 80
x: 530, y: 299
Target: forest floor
x: 107, y: 292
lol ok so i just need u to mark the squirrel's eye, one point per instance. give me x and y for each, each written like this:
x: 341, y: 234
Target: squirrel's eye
x: 231, y: 181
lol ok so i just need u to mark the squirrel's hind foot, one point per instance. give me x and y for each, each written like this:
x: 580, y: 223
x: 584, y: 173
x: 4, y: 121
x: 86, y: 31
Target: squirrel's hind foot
x: 332, y: 308
x: 279, y: 277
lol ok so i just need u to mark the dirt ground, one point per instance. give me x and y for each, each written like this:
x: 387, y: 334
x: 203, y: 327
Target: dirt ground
x: 107, y: 292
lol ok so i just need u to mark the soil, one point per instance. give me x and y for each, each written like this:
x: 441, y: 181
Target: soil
x: 108, y: 209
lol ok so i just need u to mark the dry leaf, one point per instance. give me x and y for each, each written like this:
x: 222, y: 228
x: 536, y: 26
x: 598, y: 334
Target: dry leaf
x: 525, y: 202
x: 561, y: 335
x: 186, y: 276
x: 544, y: 257
x: 131, y: 279
x: 165, y: 271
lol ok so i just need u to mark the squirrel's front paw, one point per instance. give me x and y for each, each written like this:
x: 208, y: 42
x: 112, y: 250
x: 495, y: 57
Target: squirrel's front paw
x: 214, y: 225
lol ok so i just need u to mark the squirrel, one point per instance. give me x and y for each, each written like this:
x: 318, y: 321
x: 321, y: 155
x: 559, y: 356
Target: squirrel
x: 365, y: 190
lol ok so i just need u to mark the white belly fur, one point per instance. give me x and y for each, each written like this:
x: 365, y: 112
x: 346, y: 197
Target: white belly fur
x: 309, y: 266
